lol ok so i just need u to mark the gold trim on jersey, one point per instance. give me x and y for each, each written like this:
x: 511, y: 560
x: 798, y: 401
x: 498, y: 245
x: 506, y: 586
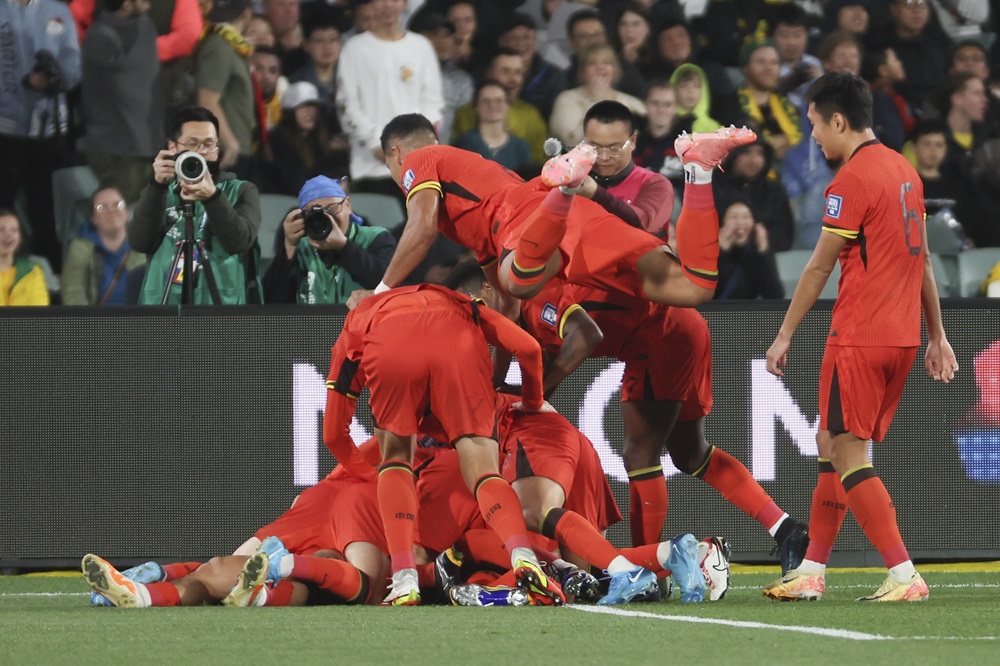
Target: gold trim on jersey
x: 430, y: 184
x: 562, y: 320
x: 332, y: 386
x: 845, y: 233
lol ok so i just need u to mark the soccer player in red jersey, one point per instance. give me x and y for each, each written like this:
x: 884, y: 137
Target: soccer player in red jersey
x: 421, y: 349
x: 540, y: 228
x: 874, y: 225
x: 666, y: 395
x: 333, y: 529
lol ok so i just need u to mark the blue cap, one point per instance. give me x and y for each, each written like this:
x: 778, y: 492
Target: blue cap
x: 322, y: 187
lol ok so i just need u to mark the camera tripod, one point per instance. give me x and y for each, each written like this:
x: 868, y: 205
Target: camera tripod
x: 185, y: 251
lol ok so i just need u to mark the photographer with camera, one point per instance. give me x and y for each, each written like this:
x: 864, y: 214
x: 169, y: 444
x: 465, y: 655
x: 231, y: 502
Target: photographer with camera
x: 225, y: 212
x: 325, y: 250
x: 39, y: 62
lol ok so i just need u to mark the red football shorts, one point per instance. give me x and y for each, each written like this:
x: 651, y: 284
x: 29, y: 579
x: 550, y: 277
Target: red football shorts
x: 598, y: 250
x: 670, y: 358
x: 306, y: 527
x: 447, y: 507
x: 860, y: 388
x: 590, y: 495
x: 437, y: 362
x: 544, y: 445
x: 356, y: 516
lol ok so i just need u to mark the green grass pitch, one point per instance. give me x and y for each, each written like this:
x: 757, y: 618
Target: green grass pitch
x: 46, y: 619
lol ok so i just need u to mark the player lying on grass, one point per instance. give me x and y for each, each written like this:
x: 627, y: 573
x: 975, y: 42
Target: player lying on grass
x: 537, y: 229
x: 336, y: 521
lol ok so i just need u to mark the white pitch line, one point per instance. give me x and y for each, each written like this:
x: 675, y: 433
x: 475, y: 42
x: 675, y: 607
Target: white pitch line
x: 44, y: 594
x: 862, y: 587
x: 818, y: 631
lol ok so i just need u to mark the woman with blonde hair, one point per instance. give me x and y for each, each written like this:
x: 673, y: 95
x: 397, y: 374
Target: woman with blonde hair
x: 599, y: 72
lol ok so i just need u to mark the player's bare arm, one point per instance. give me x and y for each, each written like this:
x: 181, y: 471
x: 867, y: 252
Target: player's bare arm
x: 940, y: 358
x: 418, y: 236
x: 814, y: 277
x: 581, y: 335
x: 500, y: 331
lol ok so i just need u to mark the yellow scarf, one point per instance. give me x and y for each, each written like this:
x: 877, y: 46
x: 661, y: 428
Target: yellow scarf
x: 784, y: 113
x: 232, y: 36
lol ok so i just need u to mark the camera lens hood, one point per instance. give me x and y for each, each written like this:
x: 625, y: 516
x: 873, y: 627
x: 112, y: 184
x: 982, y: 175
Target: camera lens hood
x: 190, y: 167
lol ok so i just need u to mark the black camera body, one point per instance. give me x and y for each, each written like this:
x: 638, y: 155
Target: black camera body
x: 190, y: 167
x: 318, y: 222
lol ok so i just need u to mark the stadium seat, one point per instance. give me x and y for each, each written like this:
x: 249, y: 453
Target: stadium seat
x: 380, y: 210
x: 973, y: 267
x: 790, y: 265
x: 945, y: 235
x: 72, y: 188
x: 944, y: 277
x: 273, y: 209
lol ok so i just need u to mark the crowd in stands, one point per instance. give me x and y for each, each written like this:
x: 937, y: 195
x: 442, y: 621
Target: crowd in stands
x: 301, y: 90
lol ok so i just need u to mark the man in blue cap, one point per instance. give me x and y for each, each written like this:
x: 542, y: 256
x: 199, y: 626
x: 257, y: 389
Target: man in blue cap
x: 328, y: 251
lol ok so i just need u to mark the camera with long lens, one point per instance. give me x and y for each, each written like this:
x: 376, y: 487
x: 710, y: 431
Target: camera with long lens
x: 317, y: 222
x: 190, y: 167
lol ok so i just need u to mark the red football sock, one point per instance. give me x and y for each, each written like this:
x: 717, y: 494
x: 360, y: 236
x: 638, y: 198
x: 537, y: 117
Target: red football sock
x: 337, y: 577
x: 698, y: 241
x: 507, y: 579
x: 502, y: 511
x: 572, y: 530
x: 829, y: 507
x: 483, y: 578
x: 179, y: 569
x: 425, y: 575
x: 397, y: 502
x: 872, y: 506
x: 644, y: 556
x: 542, y: 232
x: 280, y: 594
x: 647, y: 511
x: 485, y: 546
x: 163, y: 594
x: 735, y: 482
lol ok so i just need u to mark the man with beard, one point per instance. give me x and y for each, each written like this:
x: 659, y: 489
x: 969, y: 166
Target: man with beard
x: 226, y: 220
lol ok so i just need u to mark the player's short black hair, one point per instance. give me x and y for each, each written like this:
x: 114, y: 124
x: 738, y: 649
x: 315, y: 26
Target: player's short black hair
x: 405, y: 126
x: 610, y: 111
x: 467, y: 278
x: 190, y: 114
x: 843, y: 93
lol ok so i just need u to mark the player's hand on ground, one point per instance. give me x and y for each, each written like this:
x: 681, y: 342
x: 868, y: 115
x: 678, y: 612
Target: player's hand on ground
x: 357, y: 296
x: 940, y: 361
x: 777, y: 355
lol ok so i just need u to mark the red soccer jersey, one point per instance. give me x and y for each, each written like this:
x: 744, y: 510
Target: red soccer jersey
x: 876, y: 202
x: 476, y: 194
x: 618, y: 315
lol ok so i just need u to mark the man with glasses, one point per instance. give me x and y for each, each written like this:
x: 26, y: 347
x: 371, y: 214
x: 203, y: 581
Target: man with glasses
x: 226, y: 220
x: 309, y: 270
x: 642, y: 198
